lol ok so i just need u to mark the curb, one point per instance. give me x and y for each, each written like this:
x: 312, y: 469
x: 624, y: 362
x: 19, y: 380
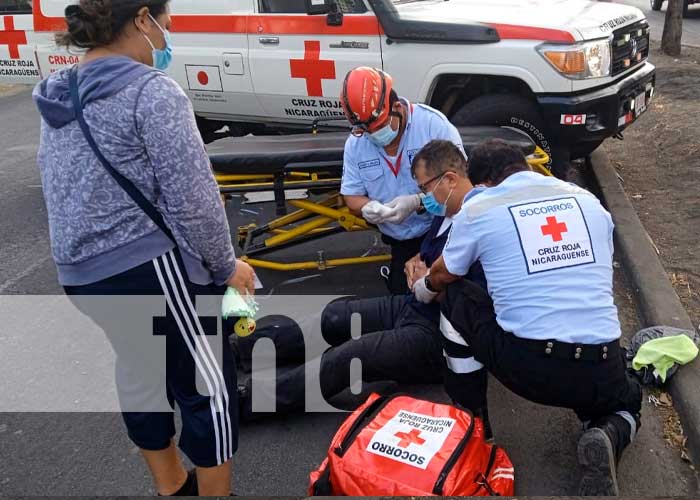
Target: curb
x: 656, y: 299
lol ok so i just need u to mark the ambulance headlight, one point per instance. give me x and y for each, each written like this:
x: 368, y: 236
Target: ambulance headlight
x: 580, y: 61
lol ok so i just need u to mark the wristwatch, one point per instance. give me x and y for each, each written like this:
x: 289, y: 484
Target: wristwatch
x: 429, y: 285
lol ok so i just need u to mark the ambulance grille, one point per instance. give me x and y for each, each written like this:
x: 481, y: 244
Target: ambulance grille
x: 630, y: 47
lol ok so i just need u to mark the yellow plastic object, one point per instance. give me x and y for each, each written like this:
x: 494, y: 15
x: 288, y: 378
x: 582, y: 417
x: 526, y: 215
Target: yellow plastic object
x: 539, y: 160
x: 245, y: 327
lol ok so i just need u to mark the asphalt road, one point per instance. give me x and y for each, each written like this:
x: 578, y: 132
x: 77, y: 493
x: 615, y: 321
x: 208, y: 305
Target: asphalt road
x: 691, y: 23
x: 89, y: 454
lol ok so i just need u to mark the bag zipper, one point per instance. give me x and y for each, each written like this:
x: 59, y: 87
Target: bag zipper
x: 452, y: 461
x: 376, y: 406
x: 484, y: 483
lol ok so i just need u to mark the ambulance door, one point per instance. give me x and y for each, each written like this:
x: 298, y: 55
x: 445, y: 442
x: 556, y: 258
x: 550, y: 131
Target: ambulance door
x: 210, y: 57
x: 299, y: 62
x: 17, y: 57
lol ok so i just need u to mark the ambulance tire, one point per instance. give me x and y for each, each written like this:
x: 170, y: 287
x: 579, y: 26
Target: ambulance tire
x: 508, y: 110
x: 656, y: 4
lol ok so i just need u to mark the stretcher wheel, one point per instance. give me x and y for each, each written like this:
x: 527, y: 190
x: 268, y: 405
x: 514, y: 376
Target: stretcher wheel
x: 245, y: 327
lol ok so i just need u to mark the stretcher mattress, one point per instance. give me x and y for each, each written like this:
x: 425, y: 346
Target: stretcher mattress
x: 322, y: 152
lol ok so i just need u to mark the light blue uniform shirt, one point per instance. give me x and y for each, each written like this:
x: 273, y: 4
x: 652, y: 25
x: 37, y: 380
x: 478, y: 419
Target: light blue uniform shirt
x: 546, y: 247
x: 367, y: 171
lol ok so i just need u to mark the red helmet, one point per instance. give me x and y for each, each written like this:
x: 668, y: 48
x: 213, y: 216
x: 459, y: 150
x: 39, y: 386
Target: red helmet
x: 366, y: 97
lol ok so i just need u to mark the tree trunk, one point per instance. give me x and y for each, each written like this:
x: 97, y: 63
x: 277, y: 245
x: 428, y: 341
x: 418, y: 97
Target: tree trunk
x: 673, y: 28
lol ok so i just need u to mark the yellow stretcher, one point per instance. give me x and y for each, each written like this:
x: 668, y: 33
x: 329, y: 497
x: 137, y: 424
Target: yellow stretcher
x: 314, y: 163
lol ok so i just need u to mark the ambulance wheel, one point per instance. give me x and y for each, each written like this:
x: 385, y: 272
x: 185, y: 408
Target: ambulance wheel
x: 656, y: 4
x: 508, y: 110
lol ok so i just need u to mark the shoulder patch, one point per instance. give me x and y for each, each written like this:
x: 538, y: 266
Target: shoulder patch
x: 412, y: 154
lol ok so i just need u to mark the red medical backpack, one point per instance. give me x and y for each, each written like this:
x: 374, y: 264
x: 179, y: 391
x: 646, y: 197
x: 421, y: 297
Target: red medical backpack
x: 401, y: 446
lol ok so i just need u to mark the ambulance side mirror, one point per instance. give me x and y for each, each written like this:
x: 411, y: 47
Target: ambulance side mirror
x: 328, y: 8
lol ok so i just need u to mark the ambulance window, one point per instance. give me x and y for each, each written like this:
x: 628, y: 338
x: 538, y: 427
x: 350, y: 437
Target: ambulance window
x: 15, y: 7
x: 352, y: 6
x: 299, y: 6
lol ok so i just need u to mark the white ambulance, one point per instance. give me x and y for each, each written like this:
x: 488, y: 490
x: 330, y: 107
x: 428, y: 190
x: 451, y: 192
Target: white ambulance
x: 569, y: 73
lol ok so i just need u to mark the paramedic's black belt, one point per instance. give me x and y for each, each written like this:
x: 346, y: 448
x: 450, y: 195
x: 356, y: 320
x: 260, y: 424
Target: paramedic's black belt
x: 564, y: 350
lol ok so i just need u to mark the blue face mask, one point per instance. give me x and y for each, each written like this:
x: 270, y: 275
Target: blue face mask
x: 433, y: 206
x: 161, y: 57
x: 384, y: 136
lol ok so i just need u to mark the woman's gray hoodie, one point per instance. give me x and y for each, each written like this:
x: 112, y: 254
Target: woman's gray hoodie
x: 144, y: 125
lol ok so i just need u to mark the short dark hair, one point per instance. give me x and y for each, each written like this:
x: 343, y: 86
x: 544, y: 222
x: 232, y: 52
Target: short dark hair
x: 494, y: 160
x: 440, y: 156
x: 96, y: 23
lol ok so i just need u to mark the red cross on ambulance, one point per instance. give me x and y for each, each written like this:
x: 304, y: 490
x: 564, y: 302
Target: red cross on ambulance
x: 12, y: 38
x: 312, y: 68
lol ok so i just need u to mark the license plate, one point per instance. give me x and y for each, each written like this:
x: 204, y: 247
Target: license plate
x: 640, y: 104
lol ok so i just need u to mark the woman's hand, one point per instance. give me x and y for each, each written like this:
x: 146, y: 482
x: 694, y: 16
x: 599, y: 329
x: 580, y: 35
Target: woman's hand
x: 243, y: 279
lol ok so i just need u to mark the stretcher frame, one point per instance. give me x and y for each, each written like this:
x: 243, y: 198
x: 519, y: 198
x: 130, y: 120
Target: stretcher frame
x: 311, y: 220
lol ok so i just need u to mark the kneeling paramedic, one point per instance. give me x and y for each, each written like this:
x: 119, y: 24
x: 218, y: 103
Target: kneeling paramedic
x: 548, y: 328
x: 388, y: 132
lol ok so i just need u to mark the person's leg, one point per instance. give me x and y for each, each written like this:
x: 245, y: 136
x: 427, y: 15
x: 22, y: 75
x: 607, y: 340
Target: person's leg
x: 466, y: 378
x: 611, y: 423
x: 602, y: 394
x: 408, y: 354
x: 209, y: 434
x: 168, y: 471
x: 376, y: 314
x: 140, y: 382
x: 215, y: 481
x: 288, y: 368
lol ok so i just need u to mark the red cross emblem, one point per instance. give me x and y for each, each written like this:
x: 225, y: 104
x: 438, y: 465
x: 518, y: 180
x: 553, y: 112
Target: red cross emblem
x: 312, y: 68
x: 554, y: 229
x: 412, y: 437
x: 13, y: 39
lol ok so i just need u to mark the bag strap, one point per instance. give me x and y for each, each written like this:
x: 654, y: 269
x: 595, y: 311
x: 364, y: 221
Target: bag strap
x: 149, y: 209
x: 322, y: 487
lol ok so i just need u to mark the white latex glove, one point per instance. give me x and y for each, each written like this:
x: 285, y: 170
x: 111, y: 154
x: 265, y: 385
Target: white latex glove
x: 420, y: 290
x: 402, y: 208
x: 375, y: 213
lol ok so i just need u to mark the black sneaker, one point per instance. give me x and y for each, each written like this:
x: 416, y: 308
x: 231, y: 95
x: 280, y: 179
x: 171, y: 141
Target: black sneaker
x: 596, y: 456
x: 190, y: 488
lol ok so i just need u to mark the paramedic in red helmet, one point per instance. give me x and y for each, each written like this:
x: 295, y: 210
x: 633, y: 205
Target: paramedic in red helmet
x: 388, y: 131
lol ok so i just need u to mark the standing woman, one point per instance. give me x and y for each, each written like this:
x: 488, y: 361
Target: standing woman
x: 134, y: 210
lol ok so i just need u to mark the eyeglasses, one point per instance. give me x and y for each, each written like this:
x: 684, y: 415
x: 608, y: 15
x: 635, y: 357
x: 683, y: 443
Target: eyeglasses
x: 363, y: 128
x: 424, y: 187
